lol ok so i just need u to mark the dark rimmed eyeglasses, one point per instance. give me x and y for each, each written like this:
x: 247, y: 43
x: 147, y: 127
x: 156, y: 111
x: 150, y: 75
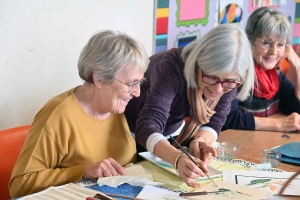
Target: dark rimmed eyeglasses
x: 227, y: 84
x: 267, y: 44
x: 132, y: 85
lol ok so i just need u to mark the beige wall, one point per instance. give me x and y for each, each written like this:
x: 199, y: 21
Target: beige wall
x: 40, y: 42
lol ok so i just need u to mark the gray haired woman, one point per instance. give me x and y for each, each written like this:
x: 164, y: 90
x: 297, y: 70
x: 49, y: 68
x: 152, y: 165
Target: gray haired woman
x: 83, y: 133
x: 197, y: 82
x: 269, y: 32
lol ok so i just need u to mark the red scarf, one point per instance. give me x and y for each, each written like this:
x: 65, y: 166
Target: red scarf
x: 267, y: 82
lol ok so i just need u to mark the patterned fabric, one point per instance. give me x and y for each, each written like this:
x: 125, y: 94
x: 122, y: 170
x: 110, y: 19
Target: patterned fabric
x: 261, y: 107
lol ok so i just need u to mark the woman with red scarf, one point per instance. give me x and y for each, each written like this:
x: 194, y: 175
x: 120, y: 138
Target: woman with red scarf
x: 269, y: 32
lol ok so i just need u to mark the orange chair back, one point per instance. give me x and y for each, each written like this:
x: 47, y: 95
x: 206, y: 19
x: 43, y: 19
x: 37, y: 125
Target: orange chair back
x: 11, y: 143
x: 284, y: 66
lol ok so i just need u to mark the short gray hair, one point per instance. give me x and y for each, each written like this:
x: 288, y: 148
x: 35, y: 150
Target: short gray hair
x: 108, y: 52
x: 265, y: 21
x: 224, y: 49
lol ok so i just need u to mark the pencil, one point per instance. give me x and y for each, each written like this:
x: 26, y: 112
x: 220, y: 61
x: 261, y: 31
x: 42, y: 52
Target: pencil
x: 188, y: 155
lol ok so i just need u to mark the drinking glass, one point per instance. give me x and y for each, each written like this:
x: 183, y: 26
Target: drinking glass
x: 271, y: 156
x: 228, y: 150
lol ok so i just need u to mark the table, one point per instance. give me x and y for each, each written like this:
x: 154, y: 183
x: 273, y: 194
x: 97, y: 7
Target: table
x: 251, y: 144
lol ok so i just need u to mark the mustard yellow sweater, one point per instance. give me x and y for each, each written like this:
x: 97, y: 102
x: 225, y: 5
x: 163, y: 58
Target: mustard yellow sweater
x: 63, y: 138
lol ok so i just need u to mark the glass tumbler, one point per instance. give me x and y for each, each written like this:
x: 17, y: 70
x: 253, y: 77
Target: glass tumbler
x: 271, y: 156
x: 228, y: 150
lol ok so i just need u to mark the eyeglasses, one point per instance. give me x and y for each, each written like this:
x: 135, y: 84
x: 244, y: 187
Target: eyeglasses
x: 211, y: 80
x: 267, y: 44
x: 132, y: 85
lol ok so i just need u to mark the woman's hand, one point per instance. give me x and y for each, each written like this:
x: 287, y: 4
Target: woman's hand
x: 294, y: 72
x: 278, y: 122
x: 289, y: 123
x: 189, y: 172
x: 107, y: 167
x: 202, y: 150
x: 291, y: 56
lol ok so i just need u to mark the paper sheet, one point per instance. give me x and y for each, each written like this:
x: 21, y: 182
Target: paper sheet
x: 153, y: 193
x: 170, y: 168
x: 263, y: 180
x: 175, y: 183
x: 68, y: 191
x: 235, y: 192
x: 136, y: 176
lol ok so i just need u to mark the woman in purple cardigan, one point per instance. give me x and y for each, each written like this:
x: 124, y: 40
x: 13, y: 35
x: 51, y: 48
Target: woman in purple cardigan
x: 199, y: 82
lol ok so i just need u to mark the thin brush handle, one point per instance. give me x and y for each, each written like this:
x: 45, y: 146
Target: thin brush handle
x: 188, y: 155
x: 188, y: 194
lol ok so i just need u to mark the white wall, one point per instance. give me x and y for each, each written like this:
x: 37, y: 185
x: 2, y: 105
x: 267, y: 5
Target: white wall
x: 40, y: 42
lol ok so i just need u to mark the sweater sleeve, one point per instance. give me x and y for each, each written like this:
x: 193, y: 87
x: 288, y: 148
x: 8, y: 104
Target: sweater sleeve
x: 238, y: 119
x: 36, y: 168
x: 156, y: 110
x: 288, y: 102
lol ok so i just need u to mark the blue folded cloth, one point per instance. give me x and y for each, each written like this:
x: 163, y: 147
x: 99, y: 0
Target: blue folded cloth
x: 290, y: 152
x: 124, y: 189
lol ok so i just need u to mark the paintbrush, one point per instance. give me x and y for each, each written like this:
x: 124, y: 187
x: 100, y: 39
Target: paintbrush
x: 188, y: 155
x: 187, y: 194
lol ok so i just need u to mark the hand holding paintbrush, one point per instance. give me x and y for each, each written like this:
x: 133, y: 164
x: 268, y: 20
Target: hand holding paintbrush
x: 189, y: 156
